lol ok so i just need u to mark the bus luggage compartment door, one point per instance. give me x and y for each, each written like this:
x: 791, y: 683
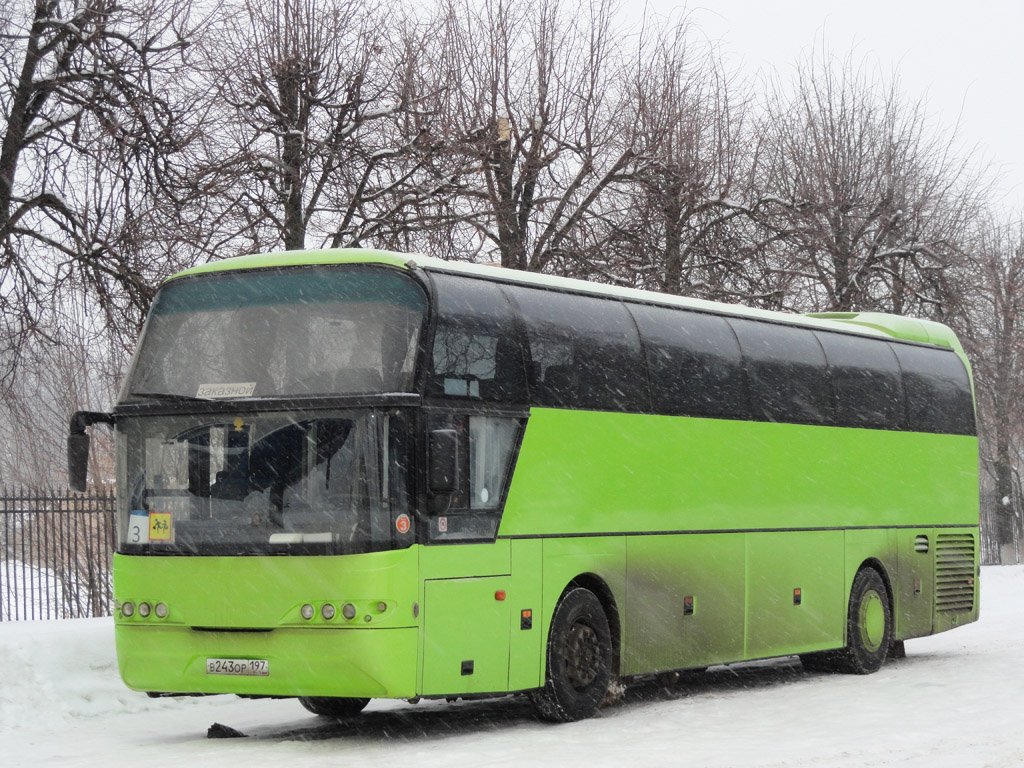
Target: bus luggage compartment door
x: 465, y: 635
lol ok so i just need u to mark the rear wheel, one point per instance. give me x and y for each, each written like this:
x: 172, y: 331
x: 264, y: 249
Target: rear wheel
x: 579, y: 659
x: 332, y: 706
x: 868, y: 625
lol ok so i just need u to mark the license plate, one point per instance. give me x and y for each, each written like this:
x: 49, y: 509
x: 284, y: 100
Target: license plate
x: 250, y: 667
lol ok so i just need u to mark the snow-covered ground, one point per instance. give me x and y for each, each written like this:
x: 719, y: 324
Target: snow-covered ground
x: 956, y: 700
x: 28, y: 591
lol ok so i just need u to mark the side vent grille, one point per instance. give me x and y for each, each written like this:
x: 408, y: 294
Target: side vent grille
x: 954, y: 572
x: 921, y: 544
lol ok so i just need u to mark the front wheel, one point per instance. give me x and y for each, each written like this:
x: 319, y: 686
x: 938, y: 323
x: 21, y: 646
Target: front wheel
x: 333, y: 706
x: 579, y: 659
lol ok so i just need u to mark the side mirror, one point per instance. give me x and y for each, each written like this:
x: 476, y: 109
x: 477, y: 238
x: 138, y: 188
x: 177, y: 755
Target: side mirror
x: 78, y: 446
x: 443, y: 461
x: 78, y: 460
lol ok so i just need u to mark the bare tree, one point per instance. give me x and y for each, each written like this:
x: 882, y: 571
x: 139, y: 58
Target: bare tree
x: 875, y: 204
x: 526, y: 124
x: 994, y: 334
x: 76, y: 79
x: 74, y: 363
x: 314, y: 141
x: 670, y: 223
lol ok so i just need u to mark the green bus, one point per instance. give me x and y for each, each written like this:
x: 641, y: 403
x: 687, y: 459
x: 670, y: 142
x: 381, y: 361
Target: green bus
x: 349, y: 474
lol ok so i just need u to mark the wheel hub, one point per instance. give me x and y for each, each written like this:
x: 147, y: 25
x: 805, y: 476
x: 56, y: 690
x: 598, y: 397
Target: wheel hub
x: 871, y: 622
x: 582, y: 658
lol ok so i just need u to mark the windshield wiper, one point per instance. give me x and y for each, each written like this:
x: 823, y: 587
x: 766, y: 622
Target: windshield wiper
x: 171, y: 397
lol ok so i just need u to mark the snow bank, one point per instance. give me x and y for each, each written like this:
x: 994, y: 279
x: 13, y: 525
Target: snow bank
x: 61, y: 671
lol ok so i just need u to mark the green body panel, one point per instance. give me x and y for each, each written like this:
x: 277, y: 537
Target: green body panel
x: 464, y: 624
x: 455, y: 561
x: 664, y: 570
x: 777, y: 565
x: 583, y: 472
x: 463, y: 620
x: 526, y: 645
x: 268, y: 592
x: 566, y: 559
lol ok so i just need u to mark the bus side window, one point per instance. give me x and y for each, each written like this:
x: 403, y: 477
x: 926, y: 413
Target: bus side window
x: 486, y: 453
x: 491, y: 442
x: 938, y: 390
x: 476, y: 352
x: 693, y: 361
x: 787, y: 372
x: 866, y: 381
x: 585, y: 350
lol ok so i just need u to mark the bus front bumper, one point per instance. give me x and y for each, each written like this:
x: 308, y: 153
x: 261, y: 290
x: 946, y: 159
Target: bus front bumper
x: 363, y: 663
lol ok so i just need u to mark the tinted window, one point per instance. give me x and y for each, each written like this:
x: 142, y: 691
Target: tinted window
x: 937, y: 389
x: 787, y: 373
x: 693, y: 361
x: 865, y: 379
x: 584, y: 352
x: 476, y: 352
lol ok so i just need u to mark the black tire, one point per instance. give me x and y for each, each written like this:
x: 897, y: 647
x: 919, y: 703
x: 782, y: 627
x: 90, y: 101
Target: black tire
x: 868, y: 630
x: 579, y: 659
x: 333, y: 706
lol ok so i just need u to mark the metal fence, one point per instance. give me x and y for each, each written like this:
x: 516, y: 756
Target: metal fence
x: 55, y: 554
x: 992, y: 551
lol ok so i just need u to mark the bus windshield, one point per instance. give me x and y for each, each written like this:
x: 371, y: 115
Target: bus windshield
x: 326, y: 482
x: 326, y: 330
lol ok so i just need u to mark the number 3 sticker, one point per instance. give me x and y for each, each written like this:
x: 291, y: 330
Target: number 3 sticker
x: 402, y: 523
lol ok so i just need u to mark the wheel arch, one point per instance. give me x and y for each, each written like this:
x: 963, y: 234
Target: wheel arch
x: 601, y: 590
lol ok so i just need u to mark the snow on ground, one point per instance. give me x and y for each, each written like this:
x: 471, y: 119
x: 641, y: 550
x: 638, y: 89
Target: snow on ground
x: 956, y: 700
x: 28, y: 591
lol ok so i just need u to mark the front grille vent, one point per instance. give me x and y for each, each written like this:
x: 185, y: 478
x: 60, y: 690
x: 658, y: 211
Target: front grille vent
x: 955, y: 570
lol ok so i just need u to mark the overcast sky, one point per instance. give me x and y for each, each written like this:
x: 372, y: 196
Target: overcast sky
x: 965, y: 58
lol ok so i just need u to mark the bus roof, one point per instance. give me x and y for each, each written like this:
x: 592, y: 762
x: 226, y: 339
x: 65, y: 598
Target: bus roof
x: 866, y: 323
